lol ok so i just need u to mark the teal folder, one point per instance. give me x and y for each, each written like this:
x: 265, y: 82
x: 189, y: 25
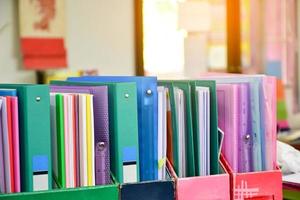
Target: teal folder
x: 214, y: 141
x: 35, y: 137
x: 186, y: 88
x: 123, y: 128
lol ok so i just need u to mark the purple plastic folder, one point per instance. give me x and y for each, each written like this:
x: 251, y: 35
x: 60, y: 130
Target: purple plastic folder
x: 100, y: 93
x: 234, y: 118
x: 227, y: 120
x: 245, y: 129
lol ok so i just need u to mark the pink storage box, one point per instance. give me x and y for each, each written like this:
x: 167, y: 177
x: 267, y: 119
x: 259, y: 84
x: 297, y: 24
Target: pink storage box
x: 266, y: 185
x: 202, y: 187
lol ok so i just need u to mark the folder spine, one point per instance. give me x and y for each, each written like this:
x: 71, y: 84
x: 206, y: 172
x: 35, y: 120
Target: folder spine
x: 60, y: 140
x: 148, y: 126
x: 101, y: 124
x: 255, y: 113
x: 35, y: 110
x: 190, y: 149
x: 244, y: 156
x: 214, y: 141
x: 126, y: 132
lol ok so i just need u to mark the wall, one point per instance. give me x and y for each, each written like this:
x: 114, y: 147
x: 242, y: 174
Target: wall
x: 99, y: 34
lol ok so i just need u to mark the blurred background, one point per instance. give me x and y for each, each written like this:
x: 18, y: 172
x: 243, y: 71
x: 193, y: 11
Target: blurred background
x: 42, y: 40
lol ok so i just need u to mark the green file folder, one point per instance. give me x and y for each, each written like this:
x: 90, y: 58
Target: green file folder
x: 214, y: 142
x: 189, y: 124
x: 61, y: 176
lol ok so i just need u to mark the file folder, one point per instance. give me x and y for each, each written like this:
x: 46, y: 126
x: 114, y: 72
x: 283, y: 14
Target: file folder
x: 228, y: 121
x: 11, y: 121
x: 83, y: 166
x: 270, y: 105
x: 182, y: 135
x: 214, y: 141
x: 257, y: 113
x: 235, y: 121
x: 162, y: 132
x: 6, y: 147
x: 174, y: 125
x: 244, y: 145
x: 202, y: 106
x: 190, y: 157
x: 35, y: 137
x: 58, y: 140
x: 16, y: 143
x: 70, y: 140
x: 123, y: 128
x: 100, y: 96
x: 189, y: 127
x: 147, y: 119
x: 90, y: 141
x: 10, y: 143
x: 2, y: 176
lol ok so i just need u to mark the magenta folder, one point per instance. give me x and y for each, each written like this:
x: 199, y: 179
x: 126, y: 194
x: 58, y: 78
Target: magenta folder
x: 5, y: 145
x: 269, y: 91
x: 228, y: 115
x: 244, y: 129
x: 2, y: 176
x: 16, y: 151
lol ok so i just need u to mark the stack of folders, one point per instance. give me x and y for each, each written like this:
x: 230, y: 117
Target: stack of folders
x: 177, y: 119
x: 80, y: 138
x: 9, y: 142
x: 103, y: 132
x: 25, y: 152
x: 246, y: 114
x: 151, y: 157
x: 192, y: 137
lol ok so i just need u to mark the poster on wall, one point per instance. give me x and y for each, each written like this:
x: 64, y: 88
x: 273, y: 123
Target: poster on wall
x: 42, y: 32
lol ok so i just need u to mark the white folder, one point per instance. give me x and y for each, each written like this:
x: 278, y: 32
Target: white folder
x: 82, y: 140
x: 204, y: 126
x: 162, y: 132
x: 181, y: 121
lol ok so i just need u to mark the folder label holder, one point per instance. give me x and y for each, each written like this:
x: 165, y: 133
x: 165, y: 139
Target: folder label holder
x: 129, y: 165
x: 40, y: 173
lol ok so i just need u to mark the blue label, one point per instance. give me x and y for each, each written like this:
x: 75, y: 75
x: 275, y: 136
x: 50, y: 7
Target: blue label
x: 40, y: 163
x: 129, y: 154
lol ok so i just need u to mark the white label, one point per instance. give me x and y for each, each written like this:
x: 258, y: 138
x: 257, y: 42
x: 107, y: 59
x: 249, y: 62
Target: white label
x: 129, y: 173
x: 40, y: 182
